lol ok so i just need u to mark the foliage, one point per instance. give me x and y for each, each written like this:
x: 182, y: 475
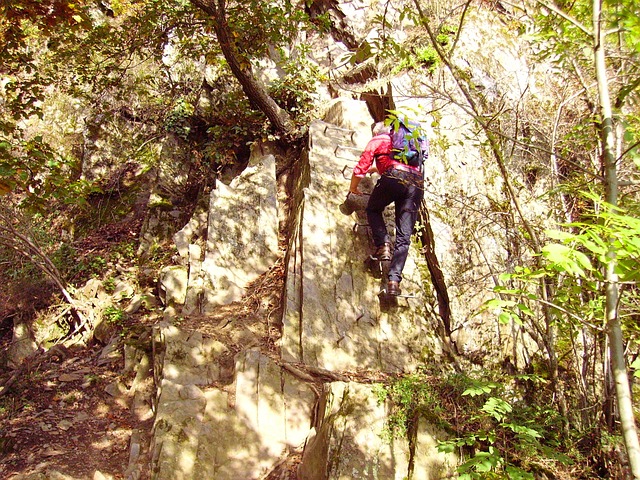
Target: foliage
x: 412, y: 398
x: 142, y: 68
x: 578, y: 252
x: 583, y: 247
x: 141, y: 59
x: 564, y: 41
x: 178, y: 119
x: 264, y: 25
x: 487, y: 420
x: 557, y: 298
x: 421, y: 58
x: 28, y: 164
x: 609, y: 225
x: 295, y: 91
x: 114, y: 315
x: 387, y: 54
x: 574, y: 257
x: 31, y: 169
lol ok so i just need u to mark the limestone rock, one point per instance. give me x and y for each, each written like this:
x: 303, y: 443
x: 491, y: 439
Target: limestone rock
x: 176, y: 431
x: 174, y: 281
x: 242, y: 240
x: 22, y: 344
x: 123, y: 290
x: 349, y: 442
x: 189, y: 358
x: 333, y: 317
x: 271, y: 414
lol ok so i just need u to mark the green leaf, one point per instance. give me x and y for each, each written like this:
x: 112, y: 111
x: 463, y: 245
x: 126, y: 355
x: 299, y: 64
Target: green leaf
x: 556, y: 252
x: 559, y: 235
x: 522, y: 430
x: 497, y: 408
x: 582, y: 260
x: 524, y: 309
x: 516, y: 473
x: 503, y: 289
x: 480, y: 388
x: 446, y: 447
x: 566, y: 259
x: 482, y: 462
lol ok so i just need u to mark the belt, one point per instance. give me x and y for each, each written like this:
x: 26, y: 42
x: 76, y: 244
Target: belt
x: 406, y: 168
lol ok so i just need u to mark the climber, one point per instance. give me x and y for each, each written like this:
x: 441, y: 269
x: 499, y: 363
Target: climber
x: 400, y: 184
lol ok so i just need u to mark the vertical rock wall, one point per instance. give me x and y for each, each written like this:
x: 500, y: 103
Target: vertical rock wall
x: 300, y: 410
x: 242, y: 241
x: 334, y: 318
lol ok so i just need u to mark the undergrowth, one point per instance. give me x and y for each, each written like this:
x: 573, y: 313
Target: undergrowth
x: 490, y: 422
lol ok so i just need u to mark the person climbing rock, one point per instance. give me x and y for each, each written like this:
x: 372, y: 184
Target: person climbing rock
x: 401, y: 184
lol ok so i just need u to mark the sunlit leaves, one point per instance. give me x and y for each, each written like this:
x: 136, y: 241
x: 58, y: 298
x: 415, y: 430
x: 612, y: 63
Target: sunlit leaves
x: 295, y: 91
x: 497, y: 408
x: 478, y: 388
x: 38, y: 175
x: 506, y: 307
x: 575, y: 257
x: 262, y: 25
x: 567, y: 259
x: 502, y: 434
x: 611, y: 230
x: 625, y: 14
x: 45, y: 14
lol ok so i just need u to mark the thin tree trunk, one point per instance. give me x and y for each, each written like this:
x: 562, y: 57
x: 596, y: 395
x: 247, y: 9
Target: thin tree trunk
x: 241, y: 69
x: 22, y: 244
x: 614, y: 327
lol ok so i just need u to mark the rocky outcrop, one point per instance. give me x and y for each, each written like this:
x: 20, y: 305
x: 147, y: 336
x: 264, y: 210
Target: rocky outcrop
x: 242, y: 240
x: 225, y: 248
x: 302, y: 412
x: 203, y: 431
x: 334, y: 318
x: 348, y: 441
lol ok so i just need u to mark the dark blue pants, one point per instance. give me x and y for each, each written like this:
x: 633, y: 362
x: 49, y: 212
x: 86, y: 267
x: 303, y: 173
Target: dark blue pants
x: 405, y: 190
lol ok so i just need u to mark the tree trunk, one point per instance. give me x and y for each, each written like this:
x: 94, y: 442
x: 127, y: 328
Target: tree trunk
x: 614, y: 328
x: 241, y: 69
x: 437, y: 278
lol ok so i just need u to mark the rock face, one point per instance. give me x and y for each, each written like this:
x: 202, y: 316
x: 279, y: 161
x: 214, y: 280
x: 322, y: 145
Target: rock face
x: 206, y: 432
x: 242, y: 241
x: 334, y: 318
x: 348, y: 443
x: 231, y: 244
x: 277, y: 411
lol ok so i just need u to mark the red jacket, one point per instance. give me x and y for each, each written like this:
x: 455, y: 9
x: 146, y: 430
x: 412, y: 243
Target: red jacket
x: 378, y: 149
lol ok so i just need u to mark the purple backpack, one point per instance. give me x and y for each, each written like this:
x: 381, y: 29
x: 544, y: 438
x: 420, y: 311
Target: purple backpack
x: 408, y: 144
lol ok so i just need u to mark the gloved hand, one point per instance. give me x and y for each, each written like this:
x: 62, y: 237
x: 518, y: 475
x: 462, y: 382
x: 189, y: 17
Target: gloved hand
x: 348, y: 206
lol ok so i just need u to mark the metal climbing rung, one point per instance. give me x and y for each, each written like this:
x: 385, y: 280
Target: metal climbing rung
x: 352, y: 157
x: 332, y: 127
x: 346, y: 147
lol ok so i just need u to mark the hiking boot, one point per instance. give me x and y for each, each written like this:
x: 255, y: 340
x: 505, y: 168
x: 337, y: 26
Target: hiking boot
x: 383, y: 252
x: 393, y: 288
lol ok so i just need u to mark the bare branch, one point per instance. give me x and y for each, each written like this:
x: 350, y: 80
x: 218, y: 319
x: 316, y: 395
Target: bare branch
x: 566, y: 16
x: 24, y: 245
